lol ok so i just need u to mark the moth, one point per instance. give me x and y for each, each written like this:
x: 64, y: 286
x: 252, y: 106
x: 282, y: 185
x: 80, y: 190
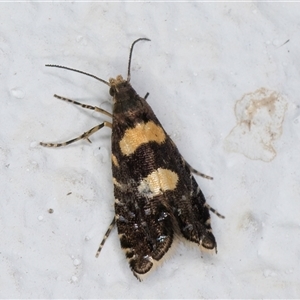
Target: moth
x: 156, y: 196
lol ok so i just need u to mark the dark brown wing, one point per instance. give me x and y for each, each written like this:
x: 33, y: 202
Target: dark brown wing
x: 190, y: 210
x: 155, y: 193
x: 144, y: 227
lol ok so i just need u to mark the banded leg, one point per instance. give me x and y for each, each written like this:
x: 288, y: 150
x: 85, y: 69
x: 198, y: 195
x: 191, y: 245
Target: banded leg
x: 197, y: 172
x: 95, y: 108
x: 111, y: 226
x: 207, y: 177
x: 83, y: 136
x: 214, y: 211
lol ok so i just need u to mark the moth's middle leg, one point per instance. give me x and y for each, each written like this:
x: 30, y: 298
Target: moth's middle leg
x: 85, y: 135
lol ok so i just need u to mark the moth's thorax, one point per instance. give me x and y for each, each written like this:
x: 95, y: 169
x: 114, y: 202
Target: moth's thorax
x: 125, y: 99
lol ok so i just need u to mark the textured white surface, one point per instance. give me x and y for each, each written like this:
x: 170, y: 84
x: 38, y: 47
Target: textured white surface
x: 202, y: 59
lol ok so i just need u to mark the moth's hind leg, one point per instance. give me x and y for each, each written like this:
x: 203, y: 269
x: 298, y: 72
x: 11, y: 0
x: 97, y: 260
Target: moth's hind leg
x: 95, y: 108
x: 207, y: 177
x: 85, y: 135
x: 111, y: 226
x: 214, y: 211
x: 197, y: 172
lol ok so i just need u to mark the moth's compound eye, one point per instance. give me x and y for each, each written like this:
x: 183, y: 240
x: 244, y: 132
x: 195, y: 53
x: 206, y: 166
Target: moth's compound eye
x: 112, y: 91
x: 208, y: 241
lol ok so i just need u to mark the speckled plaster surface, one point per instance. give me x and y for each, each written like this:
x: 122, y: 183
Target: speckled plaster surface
x: 202, y: 60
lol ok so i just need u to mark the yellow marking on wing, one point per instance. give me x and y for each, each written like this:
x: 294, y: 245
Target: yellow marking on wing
x: 141, y: 134
x: 116, y: 183
x: 157, y: 182
x: 115, y: 161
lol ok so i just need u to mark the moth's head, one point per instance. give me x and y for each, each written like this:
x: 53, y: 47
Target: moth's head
x: 117, y: 85
x: 122, y: 92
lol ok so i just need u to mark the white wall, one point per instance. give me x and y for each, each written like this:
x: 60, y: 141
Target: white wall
x: 202, y: 60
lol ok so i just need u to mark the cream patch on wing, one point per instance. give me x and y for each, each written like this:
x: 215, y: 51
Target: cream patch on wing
x: 115, y: 161
x: 141, y: 134
x: 157, y: 182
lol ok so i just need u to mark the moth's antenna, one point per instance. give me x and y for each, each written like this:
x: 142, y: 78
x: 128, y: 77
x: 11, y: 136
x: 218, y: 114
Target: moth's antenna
x: 70, y: 69
x: 130, y: 54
